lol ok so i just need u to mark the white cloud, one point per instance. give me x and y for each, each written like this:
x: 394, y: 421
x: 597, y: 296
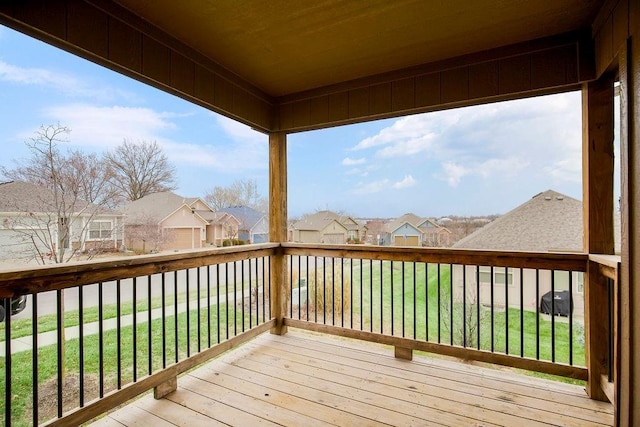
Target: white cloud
x: 372, y: 187
x: 239, y: 131
x: 453, y: 173
x: 407, y: 182
x: 487, y: 141
x: 347, y: 161
x: 66, y: 84
x: 107, y: 127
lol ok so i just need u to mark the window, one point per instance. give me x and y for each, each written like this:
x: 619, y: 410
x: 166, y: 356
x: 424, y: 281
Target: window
x: 580, y: 282
x: 498, y: 275
x: 100, y: 229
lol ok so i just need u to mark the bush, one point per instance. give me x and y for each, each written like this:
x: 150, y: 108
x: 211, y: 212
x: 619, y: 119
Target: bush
x: 321, y: 293
x: 232, y: 242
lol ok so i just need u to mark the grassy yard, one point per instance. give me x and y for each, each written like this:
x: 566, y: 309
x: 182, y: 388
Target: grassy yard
x: 418, y: 299
x: 22, y: 367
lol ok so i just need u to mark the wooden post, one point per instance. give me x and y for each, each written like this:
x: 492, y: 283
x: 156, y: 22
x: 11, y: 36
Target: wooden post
x: 598, y: 207
x: 278, y: 227
x: 627, y: 409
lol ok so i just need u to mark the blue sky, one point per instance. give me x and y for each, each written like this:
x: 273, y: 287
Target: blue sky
x: 470, y: 161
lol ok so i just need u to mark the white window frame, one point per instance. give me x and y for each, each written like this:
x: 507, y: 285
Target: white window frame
x: 103, y: 233
x: 497, y: 272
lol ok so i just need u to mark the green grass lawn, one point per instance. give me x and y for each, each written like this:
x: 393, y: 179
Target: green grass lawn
x: 418, y: 299
x: 22, y: 367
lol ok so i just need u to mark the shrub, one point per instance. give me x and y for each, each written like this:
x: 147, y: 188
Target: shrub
x: 321, y: 286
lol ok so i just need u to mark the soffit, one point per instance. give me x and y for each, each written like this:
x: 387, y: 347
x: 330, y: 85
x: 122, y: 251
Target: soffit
x: 284, y: 47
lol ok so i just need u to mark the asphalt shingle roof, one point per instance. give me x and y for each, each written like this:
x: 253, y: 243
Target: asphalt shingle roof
x: 549, y: 221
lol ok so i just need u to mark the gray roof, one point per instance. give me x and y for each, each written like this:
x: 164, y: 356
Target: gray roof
x: 318, y: 221
x: 247, y: 216
x: 156, y: 206
x: 18, y: 197
x: 549, y: 221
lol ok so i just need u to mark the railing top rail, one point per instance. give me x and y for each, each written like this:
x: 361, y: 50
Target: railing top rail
x: 45, y: 278
x: 609, y: 265
x: 569, y: 261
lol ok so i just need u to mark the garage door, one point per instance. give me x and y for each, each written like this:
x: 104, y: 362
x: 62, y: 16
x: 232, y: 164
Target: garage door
x: 184, y: 238
x: 15, y: 245
x: 406, y: 241
x: 335, y: 239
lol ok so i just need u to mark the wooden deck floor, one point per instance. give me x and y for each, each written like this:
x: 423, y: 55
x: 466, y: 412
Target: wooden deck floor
x: 304, y: 379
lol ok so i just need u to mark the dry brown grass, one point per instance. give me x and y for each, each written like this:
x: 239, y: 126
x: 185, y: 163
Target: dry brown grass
x: 329, y: 290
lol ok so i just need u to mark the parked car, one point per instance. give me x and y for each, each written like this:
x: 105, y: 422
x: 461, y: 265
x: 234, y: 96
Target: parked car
x: 17, y: 305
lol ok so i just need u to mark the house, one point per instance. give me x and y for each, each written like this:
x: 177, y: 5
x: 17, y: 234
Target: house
x: 326, y: 227
x: 254, y: 225
x: 165, y: 220
x: 32, y: 224
x: 412, y: 230
x: 548, y: 222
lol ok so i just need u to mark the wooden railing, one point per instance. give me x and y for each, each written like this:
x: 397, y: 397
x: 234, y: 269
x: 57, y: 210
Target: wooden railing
x: 120, y: 328
x: 100, y: 333
x: 450, y: 302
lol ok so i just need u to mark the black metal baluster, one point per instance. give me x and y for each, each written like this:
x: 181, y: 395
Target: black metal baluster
x: 506, y: 310
x: 493, y: 320
x: 478, y: 322
x: 415, y: 326
x: 299, y: 288
x: 59, y: 347
x: 537, y: 314
x: 350, y: 291
x: 464, y: 305
x: 189, y: 311
x: 571, y: 317
x: 134, y: 331
x: 381, y: 298
x: 118, y: 336
x: 450, y: 307
x: 522, y: 312
x: 217, y: 302
x: 80, y: 345
x: 226, y: 298
x: 6, y: 302
x: 34, y: 360
x: 439, y: 317
x: 333, y: 291
x: 342, y: 290
x: 426, y: 301
x: 553, y: 315
x: 251, y: 291
x: 100, y: 340
x: 164, y: 325
x: 392, y: 302
x: 149, y: 336
x: 209, y: 305
x: 404, y: 313
x: 361, y: 296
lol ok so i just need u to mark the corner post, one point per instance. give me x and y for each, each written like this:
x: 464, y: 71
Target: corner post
x: 278, y: 227
x: 598, y: 208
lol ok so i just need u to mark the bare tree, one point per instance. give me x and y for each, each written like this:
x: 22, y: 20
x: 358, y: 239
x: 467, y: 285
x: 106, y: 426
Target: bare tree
x: 53, y: 202
x: 140, y: 169
x: 242, y: 192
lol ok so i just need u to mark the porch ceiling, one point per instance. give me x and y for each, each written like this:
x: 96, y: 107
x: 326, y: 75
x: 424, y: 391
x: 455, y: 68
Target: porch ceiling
x: 284, y: 47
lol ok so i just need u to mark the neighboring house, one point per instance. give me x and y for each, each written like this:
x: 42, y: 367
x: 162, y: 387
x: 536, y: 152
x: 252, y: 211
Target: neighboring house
x: 326, y: 227
x: 254, y: 225
x: 549, y: 222
x: 412, y: 230
x: 32, y: 224
x: 163, y: 221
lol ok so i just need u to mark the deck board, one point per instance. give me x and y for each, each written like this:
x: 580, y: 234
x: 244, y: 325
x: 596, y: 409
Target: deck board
x: 313, y: 379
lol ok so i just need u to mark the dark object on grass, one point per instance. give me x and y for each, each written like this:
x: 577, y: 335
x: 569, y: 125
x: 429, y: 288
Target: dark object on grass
x: 562, y: 303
